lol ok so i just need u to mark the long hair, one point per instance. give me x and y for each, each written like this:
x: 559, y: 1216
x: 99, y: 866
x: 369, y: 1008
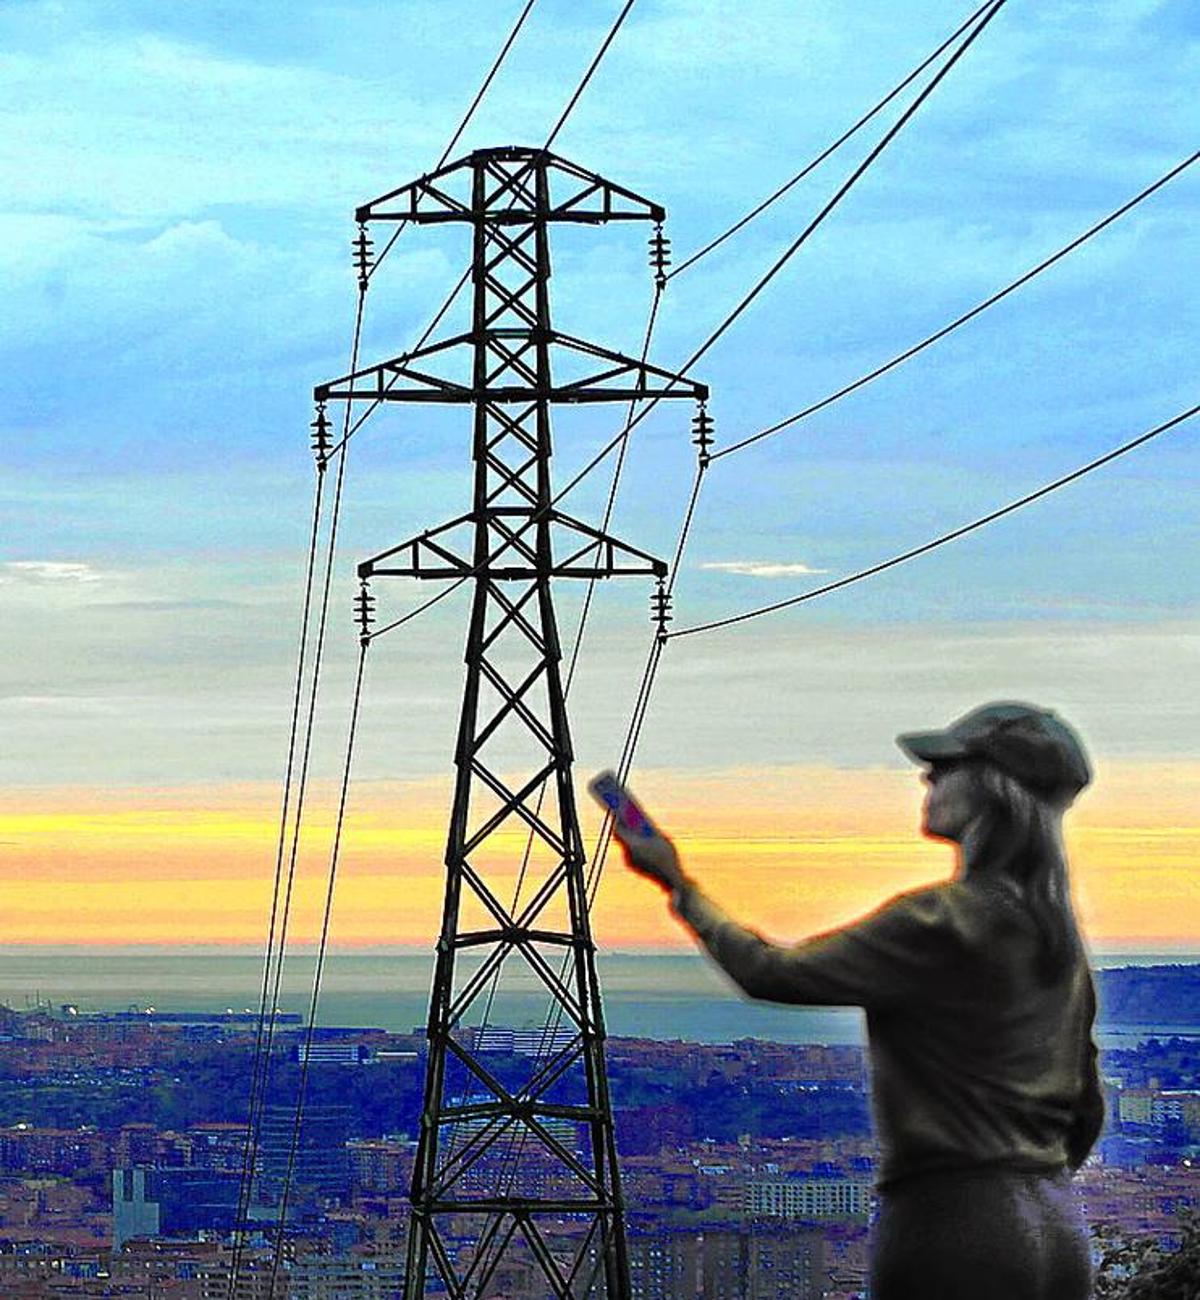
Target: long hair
x: 1018, y: 835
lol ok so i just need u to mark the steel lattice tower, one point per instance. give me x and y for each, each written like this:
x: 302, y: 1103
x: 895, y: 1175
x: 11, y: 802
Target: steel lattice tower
x: 516, y: 1169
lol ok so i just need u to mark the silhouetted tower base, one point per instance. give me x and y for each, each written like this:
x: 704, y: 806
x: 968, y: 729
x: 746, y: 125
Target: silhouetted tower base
x: 516, y: 1173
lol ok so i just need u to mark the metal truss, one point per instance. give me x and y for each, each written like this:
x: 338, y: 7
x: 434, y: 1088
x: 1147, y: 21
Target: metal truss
x: 516, y: 1164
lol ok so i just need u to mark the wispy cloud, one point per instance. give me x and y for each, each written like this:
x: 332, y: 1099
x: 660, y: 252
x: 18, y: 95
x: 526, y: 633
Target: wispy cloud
x: 761, y: 568
x: 48, y: 571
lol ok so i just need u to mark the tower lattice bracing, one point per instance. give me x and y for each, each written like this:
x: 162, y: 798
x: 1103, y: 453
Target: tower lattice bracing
x: 516, y: 1182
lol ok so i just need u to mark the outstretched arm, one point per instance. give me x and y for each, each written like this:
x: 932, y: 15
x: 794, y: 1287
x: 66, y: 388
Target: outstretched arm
x: 892, y: 955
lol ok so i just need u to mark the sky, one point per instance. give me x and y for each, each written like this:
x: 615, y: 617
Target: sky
x: 180, y: 183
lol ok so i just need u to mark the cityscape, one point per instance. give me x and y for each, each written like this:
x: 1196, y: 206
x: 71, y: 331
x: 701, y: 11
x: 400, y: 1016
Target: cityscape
x: 741, y: 308
x: 747, y: 1167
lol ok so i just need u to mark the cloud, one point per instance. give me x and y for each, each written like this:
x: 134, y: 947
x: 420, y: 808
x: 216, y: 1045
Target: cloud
x: 166, y: 606
x: 48, y: 571
x: 762, y: 568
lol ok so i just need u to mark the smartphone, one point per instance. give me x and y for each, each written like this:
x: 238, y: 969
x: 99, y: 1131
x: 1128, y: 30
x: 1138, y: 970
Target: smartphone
x: 629, y: 817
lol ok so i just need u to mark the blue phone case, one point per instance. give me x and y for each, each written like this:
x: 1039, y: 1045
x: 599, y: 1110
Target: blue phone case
x: 629, y: 817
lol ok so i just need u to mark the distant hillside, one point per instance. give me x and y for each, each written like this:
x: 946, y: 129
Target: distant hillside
x: 1150, y: 995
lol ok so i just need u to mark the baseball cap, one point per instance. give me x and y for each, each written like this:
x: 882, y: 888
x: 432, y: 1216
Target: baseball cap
x: 1033, y: 745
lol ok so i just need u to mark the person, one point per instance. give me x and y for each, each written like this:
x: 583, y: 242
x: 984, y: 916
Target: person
x: 979, y: 1010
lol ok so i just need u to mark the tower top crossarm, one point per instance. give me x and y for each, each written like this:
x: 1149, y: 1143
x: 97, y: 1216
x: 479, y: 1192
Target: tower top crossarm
x: 446, y: 194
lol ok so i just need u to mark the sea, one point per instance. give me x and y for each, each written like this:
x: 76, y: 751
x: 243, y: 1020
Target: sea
x: 667, y: 996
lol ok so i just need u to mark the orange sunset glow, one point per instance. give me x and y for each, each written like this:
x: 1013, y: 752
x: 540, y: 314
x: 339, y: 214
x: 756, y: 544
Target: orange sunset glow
x: 790, y: 850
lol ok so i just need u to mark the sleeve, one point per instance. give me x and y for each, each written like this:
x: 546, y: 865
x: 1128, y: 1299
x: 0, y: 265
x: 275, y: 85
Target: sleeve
x: 900, y: 952
x: 1088, y: 1117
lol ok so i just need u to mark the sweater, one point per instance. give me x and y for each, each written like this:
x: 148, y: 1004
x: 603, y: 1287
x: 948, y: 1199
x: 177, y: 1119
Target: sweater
x: 974, y: 1060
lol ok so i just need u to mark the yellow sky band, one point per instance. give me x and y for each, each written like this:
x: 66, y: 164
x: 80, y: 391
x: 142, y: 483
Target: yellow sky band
x: 792, y: 850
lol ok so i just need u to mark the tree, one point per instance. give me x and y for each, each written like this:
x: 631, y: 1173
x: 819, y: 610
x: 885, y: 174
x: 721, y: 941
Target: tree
x: 1138, y: 1269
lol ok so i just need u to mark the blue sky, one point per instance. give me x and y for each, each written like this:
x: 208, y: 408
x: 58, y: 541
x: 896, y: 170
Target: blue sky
x: 180, y: 183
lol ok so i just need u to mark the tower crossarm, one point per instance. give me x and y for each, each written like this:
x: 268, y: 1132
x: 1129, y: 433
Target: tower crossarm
x: 405, y: 378
x: 509, y: 195
x: 584, y: 552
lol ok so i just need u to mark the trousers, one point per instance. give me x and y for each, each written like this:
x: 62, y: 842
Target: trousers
x: 980, y: 1234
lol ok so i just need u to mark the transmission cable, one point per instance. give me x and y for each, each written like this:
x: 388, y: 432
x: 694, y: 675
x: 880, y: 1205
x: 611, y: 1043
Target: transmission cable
x: 951, y: 536
x: 258, y: 1081
x: 554, y: 1015
x: 592, y: 881
x: 462, y: 126
x: 604, y: 839
x: 587, y: 76
x: 266, y: 1040
x: 642, y: 699
x: 288, y: 843
x: 322, y: 949
x: 829, y: 150
x: 965, y: 317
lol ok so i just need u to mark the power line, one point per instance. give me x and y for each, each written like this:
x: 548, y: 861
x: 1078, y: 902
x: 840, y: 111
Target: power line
x: 322, y: 949
x: 554, y: 1018
x: 462, y: 126
x: 258, y: 1079
x: 293, y: 848
x: 830, y: 149
x: 846, y: 186
x: 906, y: 355
x: 951, y: 536
x: 587, y: 76
x: 642, y: 702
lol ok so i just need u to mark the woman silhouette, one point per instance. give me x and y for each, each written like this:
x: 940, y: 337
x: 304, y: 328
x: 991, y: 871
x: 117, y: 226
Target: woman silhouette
x: 979, y: 1005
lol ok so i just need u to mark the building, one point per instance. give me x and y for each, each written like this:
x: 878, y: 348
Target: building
x: 346, y: 1277
x: 542, y: 1041
x: 332, y: 1053
x: 761, y: 1263
x: 806, y: 1196
x: 320, y: 1167
x: 663, y: 1265
x: 172, y: 1202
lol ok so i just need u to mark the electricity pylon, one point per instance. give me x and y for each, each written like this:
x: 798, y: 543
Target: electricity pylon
x: 516, y: 1166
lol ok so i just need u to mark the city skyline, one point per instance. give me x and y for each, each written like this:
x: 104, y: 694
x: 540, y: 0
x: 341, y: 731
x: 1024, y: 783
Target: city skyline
x: 178, y: 234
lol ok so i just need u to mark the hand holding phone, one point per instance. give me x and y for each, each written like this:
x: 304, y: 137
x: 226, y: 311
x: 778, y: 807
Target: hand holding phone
x: 647, y: 850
